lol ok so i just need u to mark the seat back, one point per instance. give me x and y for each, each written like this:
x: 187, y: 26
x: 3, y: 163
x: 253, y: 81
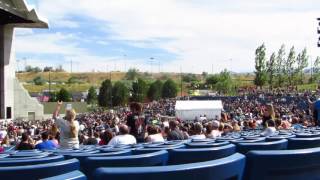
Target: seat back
x: 274, y: 145
x: 206, y: 144
x: 82, y: 156
x: 150, y: 159
x: 302, y: 143
x: 283, y: 164
x: 181, y: 156
x: 74, y: 175
x: 230, y: 167
x: 40, y: 170
x: 22, y: 161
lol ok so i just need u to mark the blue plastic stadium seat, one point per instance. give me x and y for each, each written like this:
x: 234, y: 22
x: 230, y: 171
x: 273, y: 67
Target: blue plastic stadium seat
x: 303, y: 164
x: 230, y: 167
x: 279, y: 137
x: 22, y: 162
x: 150, y: 159
x: 39, y: 171
x: 29, y: 154
x: 274, y: 145
x: 302, y: 143
x: 82, y: 156
x: 206, y: 144
x: 261, y: 139
x: 181, y: 156
x: 74, y: 175
x: 307, y: 135
x: 221, y: 139
x: 150, y: 150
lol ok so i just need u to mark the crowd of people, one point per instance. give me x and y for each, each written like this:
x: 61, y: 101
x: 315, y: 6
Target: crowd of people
x: 267, y: 111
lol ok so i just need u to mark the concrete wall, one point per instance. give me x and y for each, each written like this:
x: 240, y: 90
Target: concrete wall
x: 24, y: 104
x: 7, y: 71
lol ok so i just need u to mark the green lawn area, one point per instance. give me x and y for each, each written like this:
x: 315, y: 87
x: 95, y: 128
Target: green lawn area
x: 80, y: 107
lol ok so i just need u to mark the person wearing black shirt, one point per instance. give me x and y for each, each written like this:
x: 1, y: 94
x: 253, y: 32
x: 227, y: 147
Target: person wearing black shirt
x: 133, y: 118
x: 25, y: 144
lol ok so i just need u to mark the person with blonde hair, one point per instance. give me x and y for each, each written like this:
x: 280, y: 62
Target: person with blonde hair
x: 68, y: 126
x: 268, y: 114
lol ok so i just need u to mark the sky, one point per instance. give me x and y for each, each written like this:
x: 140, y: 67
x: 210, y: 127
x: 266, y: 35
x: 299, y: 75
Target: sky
x: 165, y: 35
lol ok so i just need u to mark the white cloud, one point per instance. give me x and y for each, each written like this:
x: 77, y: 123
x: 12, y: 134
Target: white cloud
x: 202, y: 33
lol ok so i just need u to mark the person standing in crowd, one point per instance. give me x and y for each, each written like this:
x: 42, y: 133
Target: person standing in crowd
x: 124, y: 138
x: 268, y: 114
x: 26, y: 143
x: 69, y: 127
x: 46, y: 144
x: 133, y: 118
x: 174, y: 133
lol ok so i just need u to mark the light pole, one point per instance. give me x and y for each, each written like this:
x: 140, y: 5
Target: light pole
x: 318, y: 32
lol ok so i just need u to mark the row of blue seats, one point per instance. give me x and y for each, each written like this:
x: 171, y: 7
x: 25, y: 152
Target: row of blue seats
x: 272, y: 164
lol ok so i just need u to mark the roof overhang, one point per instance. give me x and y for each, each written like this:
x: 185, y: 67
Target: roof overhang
x: 19, y: 14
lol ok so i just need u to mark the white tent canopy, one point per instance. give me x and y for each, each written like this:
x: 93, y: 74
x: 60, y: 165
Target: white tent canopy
x: 189, y: 110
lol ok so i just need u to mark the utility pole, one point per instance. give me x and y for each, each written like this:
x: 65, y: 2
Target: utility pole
x: 49, y: 81
x: 71, y: 66
x: 180, y: 81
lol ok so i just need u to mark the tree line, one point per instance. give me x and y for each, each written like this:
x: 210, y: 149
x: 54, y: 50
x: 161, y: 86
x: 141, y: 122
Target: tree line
x: 119, y: 93
x: 282, y: 69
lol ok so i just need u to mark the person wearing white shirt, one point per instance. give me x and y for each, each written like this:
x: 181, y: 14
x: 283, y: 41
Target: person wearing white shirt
x: 69, y: 127
x: 154, y: 135
x: 198, y: 132
x: 213, y: 129
x: 123, y: 138
x: 270, y: 130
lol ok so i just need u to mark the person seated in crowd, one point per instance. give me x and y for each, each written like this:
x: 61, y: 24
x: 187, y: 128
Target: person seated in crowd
x: 5, y: 141
x: 198, y: 132
x: 105, y: 137
x: 296, y: 124
x: 91, y: 140
x: 174, y: 133
x: 69, y: 127
x: 154, y: 135
x: 46, y: 144
x: 26, y: 142
x: 212, y: 129
x: 270, y: 129
x: 235, y: 126
x: 123, y: 138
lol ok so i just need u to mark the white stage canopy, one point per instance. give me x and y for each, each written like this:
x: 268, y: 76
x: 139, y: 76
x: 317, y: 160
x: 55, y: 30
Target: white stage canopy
x: 189, y: 110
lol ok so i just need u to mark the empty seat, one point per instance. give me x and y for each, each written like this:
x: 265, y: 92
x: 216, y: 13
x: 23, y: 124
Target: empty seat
x: 40, y: 170
x: 206, y: 144
x: 82, y: 156
x: 181, y: 156
x: 302, y: 143
x: 150, y: 159
x: 155, y: 149
x: 230, y: 167
x: 261, y: 139
x: 273, y: 145
x: 283, y: 164
x: 22, y: 162
x: 307, y: 135
x: 74, y: 175
x: 279, y: 137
